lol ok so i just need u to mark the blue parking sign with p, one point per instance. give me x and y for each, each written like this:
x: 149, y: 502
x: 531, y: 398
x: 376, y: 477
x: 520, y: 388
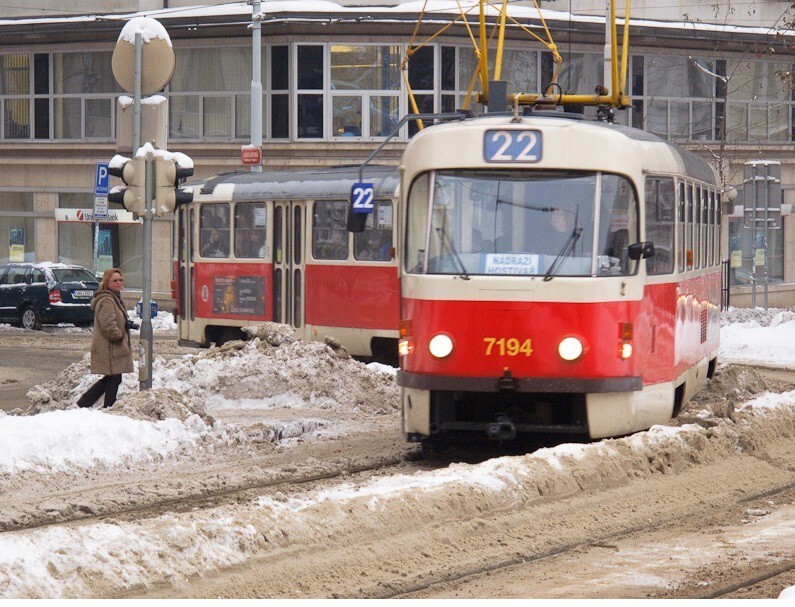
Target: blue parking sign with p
x: 102, y: 181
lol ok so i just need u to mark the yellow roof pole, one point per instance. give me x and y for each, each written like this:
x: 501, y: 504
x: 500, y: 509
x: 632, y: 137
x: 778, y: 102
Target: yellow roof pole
x: 484, y: 54
x: 625, y: 54
x: 500, y: 41
x: 614, y: 85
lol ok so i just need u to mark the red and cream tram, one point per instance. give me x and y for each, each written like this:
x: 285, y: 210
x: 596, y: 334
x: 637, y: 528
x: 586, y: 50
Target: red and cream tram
x: 556, y: 275
x: 273, y: 246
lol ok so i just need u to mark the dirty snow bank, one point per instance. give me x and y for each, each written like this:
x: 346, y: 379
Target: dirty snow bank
x: 65, y: 562
x: 272, y: 372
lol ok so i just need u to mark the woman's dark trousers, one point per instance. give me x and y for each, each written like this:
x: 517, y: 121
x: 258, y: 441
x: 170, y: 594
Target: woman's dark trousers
x: 109, y: 384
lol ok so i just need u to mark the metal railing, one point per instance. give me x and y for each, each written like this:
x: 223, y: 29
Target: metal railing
x: 725, y: 285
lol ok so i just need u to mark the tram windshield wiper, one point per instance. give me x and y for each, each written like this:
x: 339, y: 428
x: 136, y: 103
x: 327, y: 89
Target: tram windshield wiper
x: 448, y: 242
x: 566, y: 250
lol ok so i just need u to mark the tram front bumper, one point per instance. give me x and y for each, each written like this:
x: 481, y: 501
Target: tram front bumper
x: 612, y: 406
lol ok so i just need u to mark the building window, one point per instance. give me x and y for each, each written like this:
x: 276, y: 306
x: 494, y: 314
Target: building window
x: 83, y: 96
x: 280, y: 91
x: 207, y: 92
x: 15, y: 95
x: 680, y: 97
x: 365, y: 87
x: 310, y: 92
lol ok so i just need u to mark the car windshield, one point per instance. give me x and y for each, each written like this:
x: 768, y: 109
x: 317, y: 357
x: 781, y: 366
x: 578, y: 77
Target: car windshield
x: 73, y: 275
x: 521, y: 223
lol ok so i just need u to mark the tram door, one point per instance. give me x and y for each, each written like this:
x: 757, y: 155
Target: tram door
x: 288, y: 263
x: 185, y: 273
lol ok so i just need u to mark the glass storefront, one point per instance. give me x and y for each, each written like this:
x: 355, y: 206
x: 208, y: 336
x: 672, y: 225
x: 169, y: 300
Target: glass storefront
x: 17, y: 236
x: 744, y: 258
x: 119, y: 245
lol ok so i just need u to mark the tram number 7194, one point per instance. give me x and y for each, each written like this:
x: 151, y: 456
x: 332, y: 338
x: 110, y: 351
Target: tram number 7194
x: 507, y: 347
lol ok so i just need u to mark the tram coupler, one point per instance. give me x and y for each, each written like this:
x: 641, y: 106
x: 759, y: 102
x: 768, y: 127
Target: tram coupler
x: 501, y: 430
x: 506, y: 382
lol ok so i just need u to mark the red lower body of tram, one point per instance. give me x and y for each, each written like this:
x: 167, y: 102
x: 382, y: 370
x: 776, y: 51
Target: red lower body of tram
x: 357, y: 304
x: 640, y: 361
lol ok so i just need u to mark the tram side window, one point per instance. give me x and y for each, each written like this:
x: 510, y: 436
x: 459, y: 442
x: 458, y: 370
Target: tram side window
x: 660, y: 201
x: 680, y: 227
x: 705, y: 235
x: 715, y: 220
x: 698, y: 261
x: 375, y: 242
x: 329, y: 232
x: 214, y: 230
x: 689, y: 227
x: 250, y: 230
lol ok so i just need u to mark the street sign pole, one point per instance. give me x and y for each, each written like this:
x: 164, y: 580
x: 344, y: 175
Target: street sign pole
x: 101, y: 190
x: 153, y: 67
x: 147, y: 335
x: 146, y: 339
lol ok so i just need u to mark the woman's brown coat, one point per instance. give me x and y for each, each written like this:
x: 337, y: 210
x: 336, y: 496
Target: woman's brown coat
x: 111, y: 353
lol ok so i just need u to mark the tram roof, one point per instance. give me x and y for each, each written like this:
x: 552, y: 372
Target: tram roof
x: 694, y: 165
x: 314, y: 183
x: 690, y: 164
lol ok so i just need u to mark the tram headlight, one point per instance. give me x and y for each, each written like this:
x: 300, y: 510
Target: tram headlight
x: 625, y: 351
x: 405, y: 343
x: 570, y: 348
x: 440, y: 345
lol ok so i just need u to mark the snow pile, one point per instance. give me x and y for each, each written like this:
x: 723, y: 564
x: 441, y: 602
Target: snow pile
x: 760, y: 316
x: 731, y: 386
x: 163, y: 322
x: 758, y: 337
x: 279, y: 366
x: 62, y: 440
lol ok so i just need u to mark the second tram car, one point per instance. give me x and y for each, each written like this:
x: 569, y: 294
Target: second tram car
x: 273, y: 246
x: 558, y: 275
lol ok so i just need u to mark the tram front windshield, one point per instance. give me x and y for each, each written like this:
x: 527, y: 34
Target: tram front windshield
x: 544, y: 223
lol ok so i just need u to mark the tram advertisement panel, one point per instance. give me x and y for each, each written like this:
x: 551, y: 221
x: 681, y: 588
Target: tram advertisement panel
x: 239, y: 295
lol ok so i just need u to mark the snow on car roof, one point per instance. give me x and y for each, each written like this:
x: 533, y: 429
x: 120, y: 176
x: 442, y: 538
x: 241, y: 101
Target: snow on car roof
x: 47, y: 264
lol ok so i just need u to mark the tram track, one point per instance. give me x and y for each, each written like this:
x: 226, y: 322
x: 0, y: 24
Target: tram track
x: 608, y: 541
x: 786, y: 571
x: 209, y: 499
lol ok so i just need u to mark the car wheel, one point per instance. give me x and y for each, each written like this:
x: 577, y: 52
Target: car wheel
x: 30, y: 320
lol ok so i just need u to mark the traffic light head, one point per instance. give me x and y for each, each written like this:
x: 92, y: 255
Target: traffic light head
x: 133, y: 173
x: 168, y: 173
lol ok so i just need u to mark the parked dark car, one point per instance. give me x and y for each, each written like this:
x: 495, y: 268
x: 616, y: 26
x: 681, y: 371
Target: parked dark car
x: 35, y: 293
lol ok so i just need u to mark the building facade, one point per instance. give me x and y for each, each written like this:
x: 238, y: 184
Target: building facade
x: 718, y: 81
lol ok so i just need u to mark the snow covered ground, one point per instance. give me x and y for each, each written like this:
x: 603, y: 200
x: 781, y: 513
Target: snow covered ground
x: 198, y: 402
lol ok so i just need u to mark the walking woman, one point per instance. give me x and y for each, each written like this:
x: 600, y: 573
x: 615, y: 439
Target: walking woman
x: 111, y: 354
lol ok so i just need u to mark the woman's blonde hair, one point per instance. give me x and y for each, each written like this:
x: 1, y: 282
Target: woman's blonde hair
x: 103, y: 284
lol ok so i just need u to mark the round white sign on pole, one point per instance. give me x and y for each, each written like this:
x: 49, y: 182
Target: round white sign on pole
x: 157, y: 64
